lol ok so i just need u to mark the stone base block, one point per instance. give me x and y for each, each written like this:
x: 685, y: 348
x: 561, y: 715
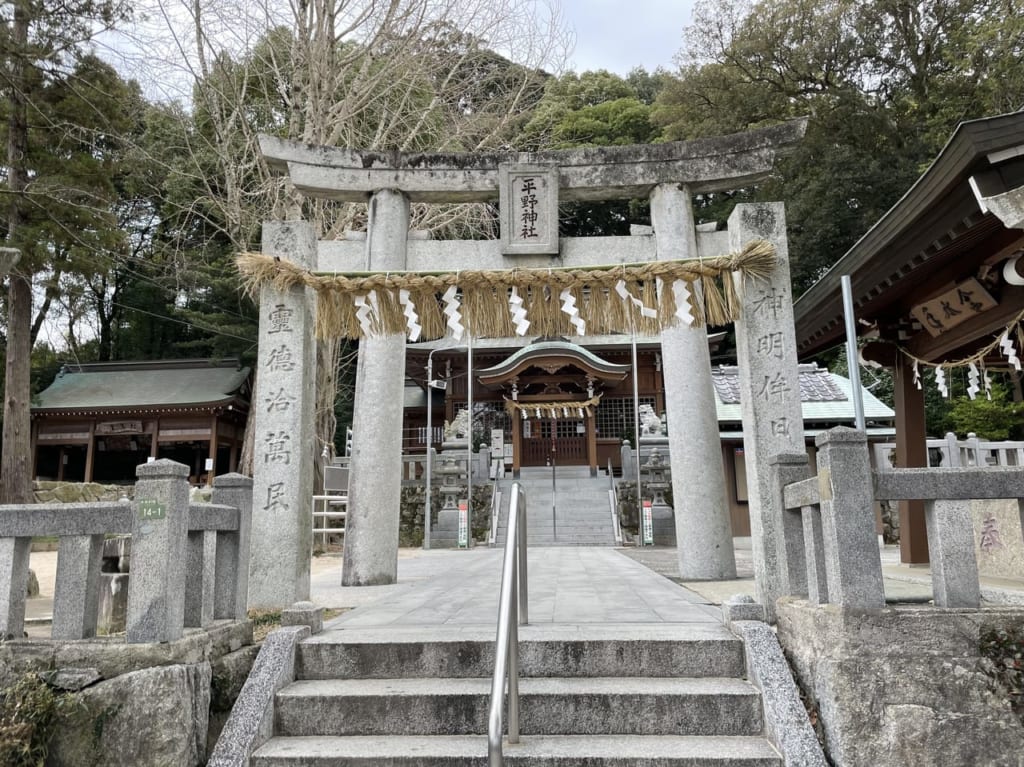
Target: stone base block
x: 903, y: 686
x: 664, y: 524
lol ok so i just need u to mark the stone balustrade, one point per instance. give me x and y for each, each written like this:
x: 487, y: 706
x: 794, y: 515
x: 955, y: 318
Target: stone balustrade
x: 828, y: 551
x: 189, y: 562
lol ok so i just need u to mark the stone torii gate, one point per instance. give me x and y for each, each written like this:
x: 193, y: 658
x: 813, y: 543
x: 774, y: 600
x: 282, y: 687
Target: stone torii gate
x: 529, y: 187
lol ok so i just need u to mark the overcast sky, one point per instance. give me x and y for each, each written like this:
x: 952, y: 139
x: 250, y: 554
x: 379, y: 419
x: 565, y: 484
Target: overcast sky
x: 618, y: 35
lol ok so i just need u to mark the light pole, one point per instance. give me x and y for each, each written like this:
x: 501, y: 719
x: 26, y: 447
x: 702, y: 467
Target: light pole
x: 431, y: 384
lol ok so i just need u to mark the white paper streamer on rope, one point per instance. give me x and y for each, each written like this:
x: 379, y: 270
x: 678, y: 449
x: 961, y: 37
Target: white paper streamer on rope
x: 625, y: 295
x: 940, y: 382
x: 451, y: 310
x: 1007, y: 348
x: 515, y: 303
x: 917, y: 376
x: 682, y: 296
x: 973, y: 377
x: 411, y: 318
x: 364, y: 310
x: 987, y: 381
x: 569, y: 307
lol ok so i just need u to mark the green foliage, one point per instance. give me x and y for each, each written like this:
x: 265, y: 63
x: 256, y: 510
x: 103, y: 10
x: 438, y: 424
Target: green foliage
x: 596, y: 109
x: 1002, y: 652
x: 28, y: 709
x: 996, y: 419
x: 883, y: 84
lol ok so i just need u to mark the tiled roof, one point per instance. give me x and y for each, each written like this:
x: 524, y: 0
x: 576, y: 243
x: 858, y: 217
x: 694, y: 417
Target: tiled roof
x: 816, y: 385
x: 825, y: 397
x: 179, y: 383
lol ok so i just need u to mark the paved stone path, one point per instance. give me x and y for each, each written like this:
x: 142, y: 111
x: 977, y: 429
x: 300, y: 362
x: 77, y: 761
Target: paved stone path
x: 567, y: 586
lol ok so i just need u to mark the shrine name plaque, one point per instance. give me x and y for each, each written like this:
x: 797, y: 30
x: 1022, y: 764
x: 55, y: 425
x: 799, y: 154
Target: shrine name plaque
x: 528, y: 200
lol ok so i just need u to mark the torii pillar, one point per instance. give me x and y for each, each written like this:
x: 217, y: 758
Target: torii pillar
x: 374, y: 494
x: 703, y: 528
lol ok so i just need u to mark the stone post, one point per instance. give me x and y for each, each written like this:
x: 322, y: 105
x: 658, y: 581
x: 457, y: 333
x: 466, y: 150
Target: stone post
x: 703, y: 528
x: 374, y: 497
x: 852, y: 563
x: 231, y: 574
x: 628, y: 461
x: 769, y: 389
x: 156, y: 589
x: 817, y: 577
x: 951, y: 551
x: 13, y: 586
x: 787, y: 468
x: 282, y: 419
x: 201, y: 552
x: 76, y: 594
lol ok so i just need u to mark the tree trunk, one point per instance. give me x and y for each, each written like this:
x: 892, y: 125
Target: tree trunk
x: 16, y: 466
x: 16, y: 469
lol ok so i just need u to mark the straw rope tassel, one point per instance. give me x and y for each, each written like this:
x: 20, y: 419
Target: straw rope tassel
x: 644, y: 297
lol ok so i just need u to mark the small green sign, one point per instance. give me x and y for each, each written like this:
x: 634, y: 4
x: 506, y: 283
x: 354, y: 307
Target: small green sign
x: 152, y: 510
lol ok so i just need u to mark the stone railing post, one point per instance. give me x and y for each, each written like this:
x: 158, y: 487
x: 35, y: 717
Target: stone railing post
x: 76, y: 593
x: 13, y: 585
x: 156, y: 589
x: 846, y: 490
x: 484, y: 462
x: 201, y: 551
x: 628, y: 462
x: 785, y: 469
x: 231, y: 579
x: 814, y: 554
x: 951, y: 553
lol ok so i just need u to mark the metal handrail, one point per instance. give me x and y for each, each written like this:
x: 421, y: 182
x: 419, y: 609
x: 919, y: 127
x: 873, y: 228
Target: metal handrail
x: 492, y: 534
x: 512, y: 613
x: 613, y: 503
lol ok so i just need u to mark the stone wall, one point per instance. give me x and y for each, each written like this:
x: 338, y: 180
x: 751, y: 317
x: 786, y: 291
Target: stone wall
x: 902, y: 687
x: 413, y: 504
x: 141, y: 705
x: 998, y: 537
x: 79, y: 492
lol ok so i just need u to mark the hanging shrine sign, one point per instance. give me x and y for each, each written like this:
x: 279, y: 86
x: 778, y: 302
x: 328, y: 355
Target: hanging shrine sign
x: 953, y: 307
x: 528, y: 201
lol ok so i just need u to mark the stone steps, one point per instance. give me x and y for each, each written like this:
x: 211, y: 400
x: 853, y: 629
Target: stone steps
x: 681, y: 650
x: 582, y: 515
x: 532, y: 751
x: 548, y: 706
x: 607, y: 695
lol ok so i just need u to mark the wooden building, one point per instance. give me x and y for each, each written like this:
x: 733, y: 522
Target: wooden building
x: 936, y: 281
x: 552, y: 400
x: 97, y: 422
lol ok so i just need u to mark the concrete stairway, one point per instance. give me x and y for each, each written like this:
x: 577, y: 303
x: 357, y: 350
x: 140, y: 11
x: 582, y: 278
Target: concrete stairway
x: 604, y: 696
x: 581, y: 510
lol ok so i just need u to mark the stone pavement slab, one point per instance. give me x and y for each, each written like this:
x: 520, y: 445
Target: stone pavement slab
x: 578, y: 585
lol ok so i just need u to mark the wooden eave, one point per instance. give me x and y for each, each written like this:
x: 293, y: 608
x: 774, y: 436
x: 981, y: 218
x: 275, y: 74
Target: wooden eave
x: 933, y: 237
x: 237, y: 405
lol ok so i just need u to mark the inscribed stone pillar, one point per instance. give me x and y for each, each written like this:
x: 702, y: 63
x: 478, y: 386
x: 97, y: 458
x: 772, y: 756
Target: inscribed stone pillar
x: 769, y: 388
x: 156, y: 590
x: 703, y: 529
x: 374, y: 495
x: 282, y: 413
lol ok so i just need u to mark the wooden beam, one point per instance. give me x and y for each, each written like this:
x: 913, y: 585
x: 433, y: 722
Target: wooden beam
x: 517, y: 445
x: 911, y: 453
x: 90, y: 452
x: 592, y: 444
